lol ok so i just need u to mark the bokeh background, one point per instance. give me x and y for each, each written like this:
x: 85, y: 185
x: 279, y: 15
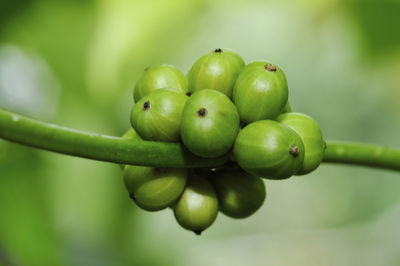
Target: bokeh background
x: 74, y: 63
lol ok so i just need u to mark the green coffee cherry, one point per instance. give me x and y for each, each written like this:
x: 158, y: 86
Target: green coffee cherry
x: 197, y: 208
x: 159, y: 77
x: 210, y: 123
x: 130, y: 134
x: 216, y: 70
x: 157, y: 116
x: 269, y: 149
x: 310, y: 132
x: 260, y: 92
x: 152, y: 188
x: 239, y: 193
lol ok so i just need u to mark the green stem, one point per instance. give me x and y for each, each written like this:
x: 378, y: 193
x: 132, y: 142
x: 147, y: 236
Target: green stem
x: 23, y: 130
x: 363, y: 154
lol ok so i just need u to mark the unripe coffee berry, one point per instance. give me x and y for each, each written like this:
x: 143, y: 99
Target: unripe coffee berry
x: 239, y: 193
x: 157, y: 116
x: 160, y: 77
x: 260, y: 92
x: 269, y: 149
x: 216, y: 70
x: 154, y: 189
x: 310, y: 132
x: 197, y: 208
x: 210, y: 123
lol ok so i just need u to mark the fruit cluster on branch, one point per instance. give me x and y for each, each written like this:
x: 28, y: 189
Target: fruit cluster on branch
x: 265, y: 146
x: 222, y: 106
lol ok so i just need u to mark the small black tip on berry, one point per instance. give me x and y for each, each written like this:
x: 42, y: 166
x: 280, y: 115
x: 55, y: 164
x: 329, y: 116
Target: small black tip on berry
x: 132, y: 196
x: 188, y: 94
x: 146, y: 68
x: 294, y: 150
x: 202, y: 112
x: 218, y: 50
x: 197, y: 232
x: 270, y: 67
x: 146, y: 105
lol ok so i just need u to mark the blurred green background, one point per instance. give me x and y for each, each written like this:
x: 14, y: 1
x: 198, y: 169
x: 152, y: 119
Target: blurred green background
x: 74, y: 63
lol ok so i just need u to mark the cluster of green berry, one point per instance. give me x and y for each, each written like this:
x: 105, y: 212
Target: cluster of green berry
x: 222, y: 106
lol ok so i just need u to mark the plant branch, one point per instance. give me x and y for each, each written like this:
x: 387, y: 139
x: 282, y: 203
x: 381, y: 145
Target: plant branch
x: 362, y: 154
x: 27, y: 131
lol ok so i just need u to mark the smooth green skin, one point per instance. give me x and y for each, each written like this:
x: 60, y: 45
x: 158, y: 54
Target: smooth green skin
x: 214, y: 134
x: 215, y: 71
x: 262, y: 148
x: 260, y: 94
x: 162, y: 120
x: 197, y: 208
x: 154, y: 188
x: 131, y: 135
x: 287, y: 108
x: 160, y: 77
x: 239, y: 193
x: 310, y: 132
